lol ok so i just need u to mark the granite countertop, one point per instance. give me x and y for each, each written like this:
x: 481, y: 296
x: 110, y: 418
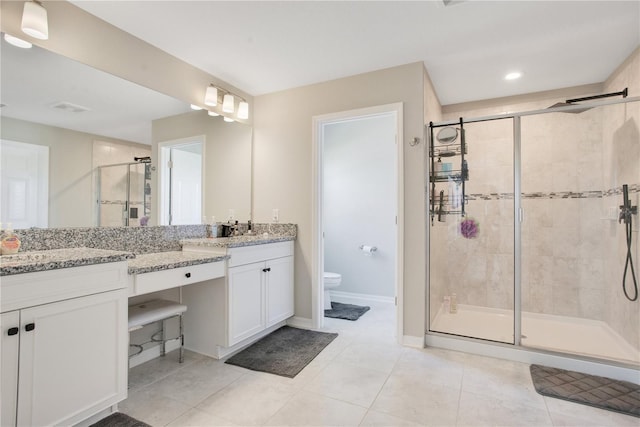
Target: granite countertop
x: 237, y: 241
x: 148, y: 263
x: 30, y: 262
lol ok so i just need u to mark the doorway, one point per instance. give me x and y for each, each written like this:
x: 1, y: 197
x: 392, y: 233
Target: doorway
x: 181, y: 179
x: 358, y: 203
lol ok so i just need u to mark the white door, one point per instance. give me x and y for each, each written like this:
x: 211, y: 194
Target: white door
x: 10, y: 323
x: 186, y: 186
x: 24, y: 184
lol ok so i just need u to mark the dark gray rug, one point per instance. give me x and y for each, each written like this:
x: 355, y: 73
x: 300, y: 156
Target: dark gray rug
x: 604, y: 393
x: 119, y: 419
x: 345, y: 311
x: 283, y: 352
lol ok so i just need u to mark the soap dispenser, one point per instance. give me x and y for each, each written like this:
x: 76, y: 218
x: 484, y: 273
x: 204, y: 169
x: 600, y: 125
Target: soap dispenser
x: 10, y: 243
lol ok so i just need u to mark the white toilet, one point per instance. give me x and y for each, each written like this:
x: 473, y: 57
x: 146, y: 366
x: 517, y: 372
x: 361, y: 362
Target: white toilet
x: 331, y: 281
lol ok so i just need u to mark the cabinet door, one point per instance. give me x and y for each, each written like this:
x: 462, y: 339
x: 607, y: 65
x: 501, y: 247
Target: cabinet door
x: 9, y: 369
x: 73, y: 359
x: 246, y: 301
x: 279, y: 289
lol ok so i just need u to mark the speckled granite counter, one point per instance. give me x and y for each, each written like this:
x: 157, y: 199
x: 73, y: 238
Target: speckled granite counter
x: 148, y: 263
x: 237, y: 241
x: 30, y: 262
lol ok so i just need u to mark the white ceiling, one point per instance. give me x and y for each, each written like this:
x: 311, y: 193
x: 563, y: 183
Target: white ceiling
x: 467, y: 46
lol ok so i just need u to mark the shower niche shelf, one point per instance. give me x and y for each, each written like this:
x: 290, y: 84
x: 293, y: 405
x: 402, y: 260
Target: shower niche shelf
x: 449, y: 143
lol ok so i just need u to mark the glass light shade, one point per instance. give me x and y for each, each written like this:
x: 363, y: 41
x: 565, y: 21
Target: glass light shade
x: 196, y: 107
x: 228, y: 119
x: 17, y: 42
x: 34, y: 21
x: 213, y: 113
x: 228, y: 103
x: 243, y: 110
x: 211, y: 96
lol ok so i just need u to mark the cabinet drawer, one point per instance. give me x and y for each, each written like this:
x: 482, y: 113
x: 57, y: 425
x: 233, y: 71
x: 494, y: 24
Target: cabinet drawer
x: 42, y: 287
x: 257, y: 253
x: 175, y: 277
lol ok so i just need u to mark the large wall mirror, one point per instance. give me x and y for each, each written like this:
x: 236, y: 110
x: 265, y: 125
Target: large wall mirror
x: 80, y: 146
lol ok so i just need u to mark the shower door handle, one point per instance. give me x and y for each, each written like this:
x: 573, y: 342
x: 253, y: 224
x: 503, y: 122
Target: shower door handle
x: 521, y: 215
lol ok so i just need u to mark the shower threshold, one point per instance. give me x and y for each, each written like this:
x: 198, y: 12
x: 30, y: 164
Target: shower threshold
x: 562, y: 334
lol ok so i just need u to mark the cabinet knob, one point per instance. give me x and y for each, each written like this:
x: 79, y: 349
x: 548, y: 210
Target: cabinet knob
x: 13, y: 331
x: 187, y: 275
x: 29, y: 327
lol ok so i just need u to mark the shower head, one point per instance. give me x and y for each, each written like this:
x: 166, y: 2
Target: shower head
x: 568, y: 102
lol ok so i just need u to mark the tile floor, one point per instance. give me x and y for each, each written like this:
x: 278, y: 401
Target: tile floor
x: 363, y: 378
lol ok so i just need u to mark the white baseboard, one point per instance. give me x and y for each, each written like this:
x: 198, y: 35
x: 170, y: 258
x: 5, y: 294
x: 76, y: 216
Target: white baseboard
x: 152, y: 353
x: 411, y: 341
x: 349, y: 297
x: 300, y: 322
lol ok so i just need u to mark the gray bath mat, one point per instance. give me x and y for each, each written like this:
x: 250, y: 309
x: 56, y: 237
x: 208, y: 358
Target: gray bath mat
x: 605, y: 393
x: 283, y: 352
x: 118, y: 419
x: 345, y: 311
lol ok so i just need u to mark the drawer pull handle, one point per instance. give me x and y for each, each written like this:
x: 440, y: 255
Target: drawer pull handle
x: 29, y: 327
x: 13, y: 331
x: 266, y: 269
x: 187, y: 275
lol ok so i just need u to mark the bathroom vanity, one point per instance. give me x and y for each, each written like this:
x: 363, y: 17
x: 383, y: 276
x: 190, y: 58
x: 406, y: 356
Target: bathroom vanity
x: 64, y: 342
x: 64, y: 313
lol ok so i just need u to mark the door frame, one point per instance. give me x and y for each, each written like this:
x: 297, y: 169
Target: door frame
x: 318, y: 123
x: 164, y: 184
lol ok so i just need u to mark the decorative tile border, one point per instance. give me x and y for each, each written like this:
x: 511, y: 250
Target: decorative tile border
x: 593, y: 194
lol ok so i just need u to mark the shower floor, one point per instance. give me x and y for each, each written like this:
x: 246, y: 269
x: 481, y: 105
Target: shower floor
x: 557, y: 333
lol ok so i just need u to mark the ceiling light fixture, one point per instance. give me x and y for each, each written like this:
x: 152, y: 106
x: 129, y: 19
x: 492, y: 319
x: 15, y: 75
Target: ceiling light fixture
x: 513, y: 76
x: 17, y: 42
x: 34, y: 20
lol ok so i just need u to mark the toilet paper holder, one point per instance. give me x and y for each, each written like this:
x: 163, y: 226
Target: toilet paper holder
x: 367, y: 249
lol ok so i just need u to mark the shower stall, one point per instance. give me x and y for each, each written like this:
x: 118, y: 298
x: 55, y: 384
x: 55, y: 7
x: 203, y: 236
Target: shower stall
x: 124, y: 193
x: 525, y: 246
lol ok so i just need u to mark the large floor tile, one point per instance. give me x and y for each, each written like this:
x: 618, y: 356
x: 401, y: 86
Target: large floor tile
x: 485, y: 410
x: 160, y: 367
x: 152, y: 408
x: 349, y: 383
x: 374, y: 356
x: 311, y: 409
x: 197, y: 418
x: 379, y: 419
x: 250, y: 400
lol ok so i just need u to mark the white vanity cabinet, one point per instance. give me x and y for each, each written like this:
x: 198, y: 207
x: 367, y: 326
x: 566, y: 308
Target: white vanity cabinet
x: 256, y: 294
x: 63, y: 360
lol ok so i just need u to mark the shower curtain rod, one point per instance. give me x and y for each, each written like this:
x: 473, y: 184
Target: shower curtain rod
x: 536, y: 112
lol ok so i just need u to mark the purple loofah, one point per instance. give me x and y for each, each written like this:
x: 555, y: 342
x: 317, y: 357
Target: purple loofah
x: 469, y: 228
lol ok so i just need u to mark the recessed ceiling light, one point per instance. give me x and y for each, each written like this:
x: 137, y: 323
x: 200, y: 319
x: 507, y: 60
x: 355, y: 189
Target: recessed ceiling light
x: 513, y: 76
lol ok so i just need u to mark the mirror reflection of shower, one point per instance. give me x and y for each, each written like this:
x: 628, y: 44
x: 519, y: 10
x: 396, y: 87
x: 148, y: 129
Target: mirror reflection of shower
x: 626, y: 216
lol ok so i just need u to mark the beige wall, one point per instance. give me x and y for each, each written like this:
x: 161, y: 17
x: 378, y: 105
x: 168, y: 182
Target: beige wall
x: 283, y: 168
x: 227, y: 160
x: 71, y: 196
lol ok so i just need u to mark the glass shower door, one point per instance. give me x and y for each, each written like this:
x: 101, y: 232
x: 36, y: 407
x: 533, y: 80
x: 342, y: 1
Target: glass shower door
x: 471, y: 240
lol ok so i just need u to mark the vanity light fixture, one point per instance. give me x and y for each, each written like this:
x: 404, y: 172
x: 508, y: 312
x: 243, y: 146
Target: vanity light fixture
x: 196, y: 107
x: 17, y: 42
x: 211, y: 96
x: 228, y: 119
x: 243, y: 110
x: 228, y: 103
x: 216, y: 95
x: 34, y: 20
x: 213, y: 113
